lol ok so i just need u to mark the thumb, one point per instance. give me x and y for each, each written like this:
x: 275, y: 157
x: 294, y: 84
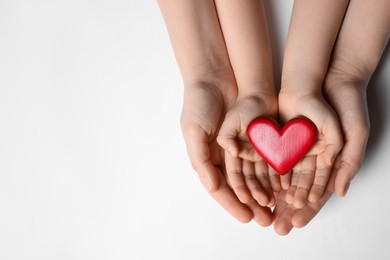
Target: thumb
x: 227, y: 136
x: 350, y: 160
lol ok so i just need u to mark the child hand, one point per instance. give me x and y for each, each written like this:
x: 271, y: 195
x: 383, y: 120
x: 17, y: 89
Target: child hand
x: 248, y: 174
x: 310, y: 177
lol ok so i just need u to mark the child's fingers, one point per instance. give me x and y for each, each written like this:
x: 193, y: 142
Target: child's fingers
x: 236, y: 177
x: 293, y: 187
x: 321, y: 178
x: 227, y: 136
x: 253, y: 184
x: 333, y: 144
x: 262, y: 176
x: 305, y: 182
x: 285, y: 180
x: 274, y: 179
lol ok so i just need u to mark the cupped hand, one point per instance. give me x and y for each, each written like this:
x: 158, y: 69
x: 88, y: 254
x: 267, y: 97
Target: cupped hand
x: 249, y: 175
x: 311, y: 175
x: 204, y: 109
x: 287, y: 216
x: 347, y: 95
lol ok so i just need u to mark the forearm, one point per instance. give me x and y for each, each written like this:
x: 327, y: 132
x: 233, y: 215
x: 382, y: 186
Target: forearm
x: 245, y: 32
x: 313, y: 30
x: 196, y: 38
x: 360, y: 44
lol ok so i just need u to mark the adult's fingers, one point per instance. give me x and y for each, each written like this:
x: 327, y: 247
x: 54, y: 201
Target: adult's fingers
x: 212, y: 178
x: 283, y: 214
x: 354, y: 60
x: 305, y: 183
x: 304, y: 215
x: 332, y: 142
x: 350, y: 104
x: 261, y: 215
x: 234, y: 170
x: 288, y: 217
x: 348, y: 163
x: 262, y: 177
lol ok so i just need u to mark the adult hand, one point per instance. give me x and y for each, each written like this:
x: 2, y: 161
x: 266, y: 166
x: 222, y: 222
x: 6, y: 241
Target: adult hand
x: 353, y: 62
x: 356, y: 54
x: 209, y: 91
x: 308, y: 49
x: 203, y: 111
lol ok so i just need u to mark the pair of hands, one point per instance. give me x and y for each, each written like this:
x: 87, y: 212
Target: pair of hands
x: 258, y: 187
x: 203, y: 113
x: 222, y: 51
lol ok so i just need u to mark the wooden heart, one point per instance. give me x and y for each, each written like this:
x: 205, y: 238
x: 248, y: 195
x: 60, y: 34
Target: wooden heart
x: 282, y: 148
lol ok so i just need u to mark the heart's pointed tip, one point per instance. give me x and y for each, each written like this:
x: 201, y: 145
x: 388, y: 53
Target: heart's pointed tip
x: 282, y: 171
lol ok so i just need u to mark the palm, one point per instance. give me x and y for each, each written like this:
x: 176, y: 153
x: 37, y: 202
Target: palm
x: 203, y: 112
x: 288, y: 216
x: 312, y: 174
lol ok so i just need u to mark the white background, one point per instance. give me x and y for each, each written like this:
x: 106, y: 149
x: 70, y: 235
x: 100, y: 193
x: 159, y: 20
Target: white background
x: 93, y: 164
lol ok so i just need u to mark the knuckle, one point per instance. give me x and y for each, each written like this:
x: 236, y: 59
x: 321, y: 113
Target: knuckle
x: 190, y: 130
x: 353, y: 165
x: 197, y: 165
x: 235, y: 172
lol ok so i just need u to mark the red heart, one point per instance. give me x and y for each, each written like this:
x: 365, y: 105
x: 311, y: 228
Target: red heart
x: 282, y: 149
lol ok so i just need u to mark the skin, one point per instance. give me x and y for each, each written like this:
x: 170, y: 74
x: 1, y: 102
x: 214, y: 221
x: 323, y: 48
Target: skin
x: 313, y: 30
x: 245, y: 32
x: 356, y: 54
x: 210, y: 90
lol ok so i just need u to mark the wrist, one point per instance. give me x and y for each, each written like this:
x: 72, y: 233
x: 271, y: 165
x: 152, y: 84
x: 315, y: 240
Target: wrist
x: 220, y: 88
x: 264, y: 88
x: 302, y: 82
x: 266, y: 100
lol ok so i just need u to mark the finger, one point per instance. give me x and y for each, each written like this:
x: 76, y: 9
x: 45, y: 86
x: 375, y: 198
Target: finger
x: 253, y: 184
x: 261, y: 215
x: 227, y: 136
x: 322, y: 174
x: 235, y: 175
x: 331, y: 151
x: 274, y: 179
x: 247, y: 152
x: 349, y: 46
x: 281, y: 203
x: 293, y: 186
x: 283, y: 224
x: 303, y: 216
x: 285, y: 180
x: 198, y: 150
x: 305, y: 182
x: 349, y: 161
x: 262, y: 176
x: 229, y: 201
x: 212, y: 178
